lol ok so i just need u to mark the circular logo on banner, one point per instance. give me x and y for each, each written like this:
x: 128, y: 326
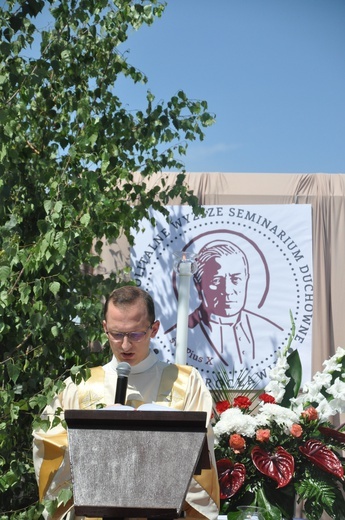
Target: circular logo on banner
x: 251, y: 286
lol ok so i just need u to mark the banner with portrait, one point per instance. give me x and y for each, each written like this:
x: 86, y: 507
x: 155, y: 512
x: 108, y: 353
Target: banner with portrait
x: 254, y: 270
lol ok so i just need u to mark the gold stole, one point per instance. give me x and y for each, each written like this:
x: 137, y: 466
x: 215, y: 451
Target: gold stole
x: 91, y: 391
x: 54, y: 450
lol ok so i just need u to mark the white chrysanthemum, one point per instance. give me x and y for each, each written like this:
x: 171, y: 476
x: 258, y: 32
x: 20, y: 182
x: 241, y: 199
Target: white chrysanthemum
x: 274, y: 413
x: 234, y: 421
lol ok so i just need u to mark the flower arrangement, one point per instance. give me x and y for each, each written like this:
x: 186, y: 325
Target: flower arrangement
x: 279, y: 446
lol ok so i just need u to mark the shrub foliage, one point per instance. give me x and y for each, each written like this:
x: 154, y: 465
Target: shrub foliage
x: 68, y: 150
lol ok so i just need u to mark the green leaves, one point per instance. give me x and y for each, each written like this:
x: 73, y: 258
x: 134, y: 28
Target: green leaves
x: 294, y: 372
x: 68, y: 150
x: 5, y: 272
x: 271, y: 512
x: 54, y: 287
x: 321, y: 496
x: 13, y: 371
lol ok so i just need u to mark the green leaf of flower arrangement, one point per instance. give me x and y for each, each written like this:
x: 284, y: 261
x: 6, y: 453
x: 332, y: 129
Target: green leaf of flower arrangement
x: 294, y: 372
x: 320, y: 495
x: 271, y: 512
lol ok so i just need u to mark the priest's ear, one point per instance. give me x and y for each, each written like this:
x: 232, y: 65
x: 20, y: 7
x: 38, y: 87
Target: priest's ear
x: 154, y: 328
x: 104, y: 323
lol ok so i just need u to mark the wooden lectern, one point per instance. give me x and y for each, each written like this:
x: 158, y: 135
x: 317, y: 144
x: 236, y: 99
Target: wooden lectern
x: 134, y: 463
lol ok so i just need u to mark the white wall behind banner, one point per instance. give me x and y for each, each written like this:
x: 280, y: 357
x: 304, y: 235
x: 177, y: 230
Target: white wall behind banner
x: 256, y: 267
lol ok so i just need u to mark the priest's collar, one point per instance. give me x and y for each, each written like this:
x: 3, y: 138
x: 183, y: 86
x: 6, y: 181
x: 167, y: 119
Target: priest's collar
x: 144, y: 365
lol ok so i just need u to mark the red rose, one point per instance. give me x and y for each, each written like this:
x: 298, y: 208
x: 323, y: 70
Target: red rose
x: 296, y: 430
x: 242, y: 402
x: 263, y: 435
x: 237, y: 442
x: 310, y: 414
x: 221, y: 406
x: 267, y: 398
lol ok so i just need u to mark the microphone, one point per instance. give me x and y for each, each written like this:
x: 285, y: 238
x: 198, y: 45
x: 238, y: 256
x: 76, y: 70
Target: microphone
x: 123, y: 370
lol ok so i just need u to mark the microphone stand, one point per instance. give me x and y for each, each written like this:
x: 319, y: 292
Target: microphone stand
x: 123, y: 371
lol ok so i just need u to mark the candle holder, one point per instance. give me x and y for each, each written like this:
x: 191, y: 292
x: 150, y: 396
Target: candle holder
x: 185, y: 266
x: 185, y: 263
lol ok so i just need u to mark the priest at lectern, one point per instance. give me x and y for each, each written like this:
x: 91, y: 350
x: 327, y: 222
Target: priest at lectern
x: 130, y: 323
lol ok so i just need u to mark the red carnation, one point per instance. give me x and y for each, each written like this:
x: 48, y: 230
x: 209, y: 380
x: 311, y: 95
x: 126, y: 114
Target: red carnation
x: 242, y: 402
x: 221, y: 406
x: 267, y: 398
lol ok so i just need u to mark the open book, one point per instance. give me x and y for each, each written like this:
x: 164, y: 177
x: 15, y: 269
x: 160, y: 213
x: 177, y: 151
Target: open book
x: 144, y: 407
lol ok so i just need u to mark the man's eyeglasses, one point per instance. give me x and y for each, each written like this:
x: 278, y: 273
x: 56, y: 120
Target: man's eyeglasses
x: 132, y: 336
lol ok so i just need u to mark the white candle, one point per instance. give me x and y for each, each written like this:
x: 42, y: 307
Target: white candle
x: 185, y: 273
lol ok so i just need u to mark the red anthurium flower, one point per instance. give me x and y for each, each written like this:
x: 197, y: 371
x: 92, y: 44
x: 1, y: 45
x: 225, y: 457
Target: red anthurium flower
x: 231, y: 477
x: 241, y: 401
x: 322, y: 457
x: 332, y: 433
x: 279, y: 465
x: 221, y: 406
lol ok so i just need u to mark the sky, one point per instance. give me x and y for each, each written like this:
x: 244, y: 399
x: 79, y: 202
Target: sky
x: 272, y: 72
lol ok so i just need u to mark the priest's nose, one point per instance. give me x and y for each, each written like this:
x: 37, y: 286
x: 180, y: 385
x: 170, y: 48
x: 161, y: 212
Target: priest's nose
x: 126, y: 344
